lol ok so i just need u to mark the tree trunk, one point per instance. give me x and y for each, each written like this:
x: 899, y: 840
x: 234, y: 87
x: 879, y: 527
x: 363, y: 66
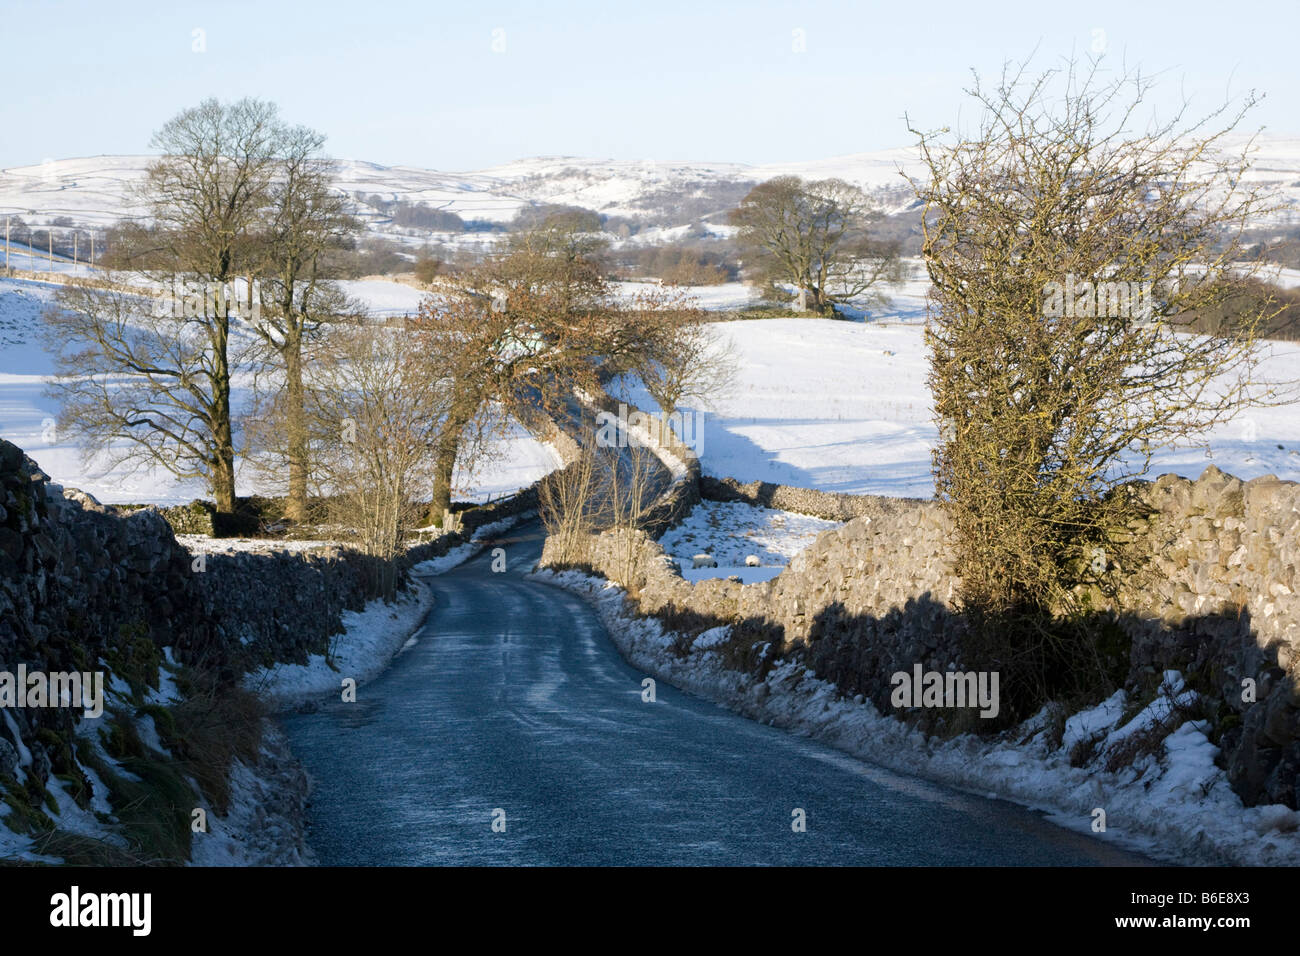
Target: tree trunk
x: 444, y: 467
x: 223, y: 444
x: 820, y: 302
x: 296, y: 426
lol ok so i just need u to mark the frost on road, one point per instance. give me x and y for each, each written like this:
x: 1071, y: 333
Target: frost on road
x: 511, y: 732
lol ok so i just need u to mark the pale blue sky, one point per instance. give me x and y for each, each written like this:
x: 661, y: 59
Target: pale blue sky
x: 420, y: 83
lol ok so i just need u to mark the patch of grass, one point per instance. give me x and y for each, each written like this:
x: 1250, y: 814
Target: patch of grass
x: 209, y: 730
x: 76, y: 849
x: 135, y: 658
x: 25, y: 817
x: 154, y: 812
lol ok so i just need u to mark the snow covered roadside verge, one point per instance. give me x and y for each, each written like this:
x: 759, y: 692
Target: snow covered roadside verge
x: 1175, y: 805
x: 371, y: 639
x: 264, y: 824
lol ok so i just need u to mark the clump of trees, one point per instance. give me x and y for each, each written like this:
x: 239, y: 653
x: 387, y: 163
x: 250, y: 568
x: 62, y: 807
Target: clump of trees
x: 552, y: 216
x: 1071, y: 245
x: 815, y: 238
x: 416, y: 215
x: 531, y: 327
x: 241, y: 218
x: 245, y: 240
x: 361, y: 256
x: 683, y: 263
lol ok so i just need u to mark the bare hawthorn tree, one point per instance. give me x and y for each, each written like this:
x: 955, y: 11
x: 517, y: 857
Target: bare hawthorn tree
x: 1070, y: 241
x: 378, y: 399
x: 814, y: 236
x: 564, y: 503
x: 524, y: 331
x: 630, y: 487
x: 606, y: 488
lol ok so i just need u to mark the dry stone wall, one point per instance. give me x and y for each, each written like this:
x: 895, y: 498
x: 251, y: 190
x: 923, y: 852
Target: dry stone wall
x: 1210, y: 585
x: 81, y: 583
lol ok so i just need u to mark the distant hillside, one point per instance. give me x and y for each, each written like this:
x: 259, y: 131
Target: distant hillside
x: 645, y: 200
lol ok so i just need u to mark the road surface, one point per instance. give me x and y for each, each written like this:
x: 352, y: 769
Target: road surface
x: 513, y: 707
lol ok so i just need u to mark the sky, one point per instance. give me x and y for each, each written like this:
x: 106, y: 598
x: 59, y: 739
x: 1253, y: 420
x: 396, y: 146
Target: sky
x: 469, y: 85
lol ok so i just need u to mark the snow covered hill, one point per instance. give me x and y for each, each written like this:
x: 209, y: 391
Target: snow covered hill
x: 95, y: 190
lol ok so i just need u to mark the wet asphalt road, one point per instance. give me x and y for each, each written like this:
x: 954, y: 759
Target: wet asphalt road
x: 514, y: 703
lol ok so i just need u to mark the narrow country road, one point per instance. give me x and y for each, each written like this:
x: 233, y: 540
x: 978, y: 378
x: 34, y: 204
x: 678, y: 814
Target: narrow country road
x: 514, y: 699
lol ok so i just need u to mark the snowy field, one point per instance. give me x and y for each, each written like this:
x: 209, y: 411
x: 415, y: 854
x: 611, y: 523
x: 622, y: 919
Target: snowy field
x: 27, y: 415
x: 843, y: 406
x: 821, y: 403
x: 730, y: 531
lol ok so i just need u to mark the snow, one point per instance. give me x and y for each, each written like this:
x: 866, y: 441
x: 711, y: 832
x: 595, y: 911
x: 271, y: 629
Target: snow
x: 822, y: 403
x: 725, y: 296
x: 372, y: 636
x: 1087, y: 724
x: 70, y: 817
x: 731, y: 531
x: 93, y: 190
x: 383, y: 297
x: 1177, y: 806
x: 257, y: 830
x: 745, y: 574
x: 148, y: 732
x: 28, y: 416
x: 167, y: 692
x: 843, y: 406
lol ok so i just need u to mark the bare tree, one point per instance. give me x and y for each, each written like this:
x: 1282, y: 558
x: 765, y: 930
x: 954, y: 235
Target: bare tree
x: 139, y: 383
x: 688, y: 360
x: 564, y: 502
x: 1069, y: 244
x: 629, y: 484
x: 609, y: 488
x: 378, y: 398
x: 524, y: 330
x: 305, y: 218
x: 205, y: 195
x: 814, y: 236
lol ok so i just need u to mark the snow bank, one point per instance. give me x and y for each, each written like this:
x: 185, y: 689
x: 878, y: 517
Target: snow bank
x: 730, y: 531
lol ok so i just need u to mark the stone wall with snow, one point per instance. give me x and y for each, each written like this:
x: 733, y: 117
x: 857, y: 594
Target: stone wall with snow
x: 1208, y: 585
x: 78, y: 586
x: 833, y: 506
